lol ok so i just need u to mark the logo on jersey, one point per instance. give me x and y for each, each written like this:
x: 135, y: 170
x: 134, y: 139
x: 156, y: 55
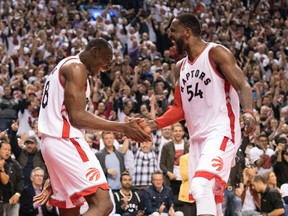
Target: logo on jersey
x: 93, y: 174
x: 195, y: 89
x: 217, y: 162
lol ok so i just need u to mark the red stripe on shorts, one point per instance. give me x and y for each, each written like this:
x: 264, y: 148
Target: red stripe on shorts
x: 80, y: 150
x: 75, y: 197
x: 224, y: 144
x: 209, y: 176
x: 61, y: 204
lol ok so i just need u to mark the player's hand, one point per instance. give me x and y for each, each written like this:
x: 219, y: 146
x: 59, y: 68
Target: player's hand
x: 145, y: 127
x: 152, y: 124
x: 249, y: 123
x: 134, y: 131
x: 45, y: 194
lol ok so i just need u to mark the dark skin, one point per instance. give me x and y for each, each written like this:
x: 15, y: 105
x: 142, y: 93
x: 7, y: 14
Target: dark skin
x: 222, y: 59
x: 74, y: 77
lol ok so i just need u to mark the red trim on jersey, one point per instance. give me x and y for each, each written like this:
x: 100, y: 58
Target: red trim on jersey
x: 182, y: 63
x: 65, y: 128
x: 61, y: 204
x: 86, y: 85
x: 218, y: 180
x: 213, y: 67
x: 191, y: 63
x: 224, y: 144
x: 76, y: 196
x: 79, y: 150
x: 231, y: 115
x: 174, y: 113
x: 61, y: 83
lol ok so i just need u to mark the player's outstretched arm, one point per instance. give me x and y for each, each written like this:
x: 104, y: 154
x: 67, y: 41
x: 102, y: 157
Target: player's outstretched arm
x: 74, y: 78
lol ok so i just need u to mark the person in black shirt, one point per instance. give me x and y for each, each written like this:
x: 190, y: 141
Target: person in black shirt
x: 128, y: 202
x: 271, y: 202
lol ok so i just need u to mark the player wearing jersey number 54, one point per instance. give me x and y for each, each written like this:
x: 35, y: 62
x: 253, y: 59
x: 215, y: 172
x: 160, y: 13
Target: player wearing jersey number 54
x: 209, y: 86
x: 63, y: 115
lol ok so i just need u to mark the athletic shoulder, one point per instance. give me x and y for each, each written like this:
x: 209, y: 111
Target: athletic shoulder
x: 73, y: 69
x: 220, y: 53
x: 178, y: 68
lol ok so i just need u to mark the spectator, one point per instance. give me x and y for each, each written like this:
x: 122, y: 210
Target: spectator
x: 170, y: 155
x: 261, y: 154
x: 128, y: 202
x: 271, y: 180
x: 280, y: 166
x: 271, y: 202
x: 28, y: 157
x: 250, y: 197
x: 189, y: 205
x: 158, y: 198
x: 112, y: 161
x: 12, y: 190
x: 145, y: 161
x: 8, y: 109
x: 27, y: 207
x: 169, y: 162
x: 162, y: 136
x: 284, y: 193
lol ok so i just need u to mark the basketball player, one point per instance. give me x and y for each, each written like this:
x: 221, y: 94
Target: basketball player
x: 75, y: 173
x: 207, y: 95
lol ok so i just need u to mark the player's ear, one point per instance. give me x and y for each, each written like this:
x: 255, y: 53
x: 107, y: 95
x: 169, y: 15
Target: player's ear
x: 94, y: 51
x: 188, y: 32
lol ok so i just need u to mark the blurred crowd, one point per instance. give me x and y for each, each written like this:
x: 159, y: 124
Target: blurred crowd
x: 37, y: 34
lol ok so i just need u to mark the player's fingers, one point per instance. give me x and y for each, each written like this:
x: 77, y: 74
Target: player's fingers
x: 38, y: 200
x: 42, y: 200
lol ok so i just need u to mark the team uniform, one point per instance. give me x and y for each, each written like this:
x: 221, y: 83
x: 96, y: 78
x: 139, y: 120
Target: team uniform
x: 211, y: 108
x: 73, y: 168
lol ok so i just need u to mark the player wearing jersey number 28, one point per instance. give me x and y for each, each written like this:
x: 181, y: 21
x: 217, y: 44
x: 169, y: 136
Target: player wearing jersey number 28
x: 209, y: 86
x: 75, y: 173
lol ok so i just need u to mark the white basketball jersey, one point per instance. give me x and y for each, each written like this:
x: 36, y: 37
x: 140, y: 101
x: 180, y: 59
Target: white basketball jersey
x: 53, y: 117
x: 210, y: 103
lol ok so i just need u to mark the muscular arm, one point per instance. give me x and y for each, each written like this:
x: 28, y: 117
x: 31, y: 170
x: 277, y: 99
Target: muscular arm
x: 224, y: 61
x: 74, y: 77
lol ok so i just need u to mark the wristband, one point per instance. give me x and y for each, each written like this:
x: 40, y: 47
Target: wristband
x: 249, y: 111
